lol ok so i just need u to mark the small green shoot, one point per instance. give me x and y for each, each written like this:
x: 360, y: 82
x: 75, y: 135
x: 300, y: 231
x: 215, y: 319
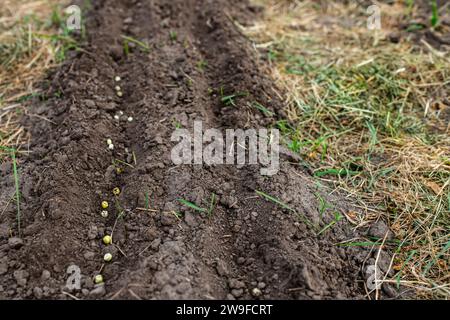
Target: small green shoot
x: 263, y: 109
x: 337, y: 218
x: 128, y: 39
x: 272, y: 55
x: 201, y: 65
x: 177, y: 214
x: 434, y: 14
x: 285, y: 206
x: 230, y: 99
x: 415, y: 27
x: 209, y: 211
x: 126, y: 48
x: 134, y: 157
x: 212, y: 204
x: 116, y: 161
x: 177, y: 124
x: 173, y: 35
x: 323, y: 204
x: 373, y: 136
x: 294, y: 145
x: 147, y: 201
x: 192, y: 206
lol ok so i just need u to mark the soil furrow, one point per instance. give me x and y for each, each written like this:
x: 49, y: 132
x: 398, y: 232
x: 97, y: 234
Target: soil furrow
x: 247, y: 248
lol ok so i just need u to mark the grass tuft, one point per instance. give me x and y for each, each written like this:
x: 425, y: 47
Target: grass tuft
x: 33, y: 39
x: 370, y: 117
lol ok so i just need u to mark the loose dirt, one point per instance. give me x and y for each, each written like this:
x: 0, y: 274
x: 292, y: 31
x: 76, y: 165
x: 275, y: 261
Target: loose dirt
x: 248, y: 247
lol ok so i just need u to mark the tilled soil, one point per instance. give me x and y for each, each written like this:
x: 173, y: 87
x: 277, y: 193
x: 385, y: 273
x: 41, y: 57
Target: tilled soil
x: 246, y: 243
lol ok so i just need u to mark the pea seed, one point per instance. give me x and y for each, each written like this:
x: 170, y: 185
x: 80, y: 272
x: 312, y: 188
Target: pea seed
x: 107, y: 239
x: 116, y: 191
x: 98, y: 279
x: 107, y: 257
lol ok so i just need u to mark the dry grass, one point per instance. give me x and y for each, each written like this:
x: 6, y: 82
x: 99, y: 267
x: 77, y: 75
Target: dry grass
x: 371, y: 117
x: 32, y: 40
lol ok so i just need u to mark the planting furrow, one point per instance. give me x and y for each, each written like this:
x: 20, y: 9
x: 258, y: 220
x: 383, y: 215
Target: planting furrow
x: 176, y: 231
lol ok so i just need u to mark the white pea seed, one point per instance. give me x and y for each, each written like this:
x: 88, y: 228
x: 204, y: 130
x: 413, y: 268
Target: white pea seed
x: 119, y: 93
x: 117, y: 78
x: 117, y: 88
x: 111, y: 146
x: 98, y: 279
x: 130, y: 119
x: 104, y: 214
x: 108, y: 141
x: 120, y: 113
x: 116, y: 117
x: 107, y: 257
x: 256, y: 292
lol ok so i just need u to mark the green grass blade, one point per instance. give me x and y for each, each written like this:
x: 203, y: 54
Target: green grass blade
x: 16, y: 182
x: 147, y: 201
x: 434, y: 13
x: 337, y: 218
x: 212, y: 204
x: 285, y: 206
x: 141, y: 44
x: 275, y: 200
x: 263, y: 109
x: 335, y: 172
x: 433, y: 262
x: 397, y: 278
x: 192, y: 205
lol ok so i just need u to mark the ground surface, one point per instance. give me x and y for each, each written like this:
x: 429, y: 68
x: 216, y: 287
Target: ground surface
x: 246, y: 243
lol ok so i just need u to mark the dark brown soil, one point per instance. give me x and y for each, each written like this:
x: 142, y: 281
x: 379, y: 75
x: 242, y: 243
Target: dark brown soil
x: 417, y: 26
x: 247, y: 242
